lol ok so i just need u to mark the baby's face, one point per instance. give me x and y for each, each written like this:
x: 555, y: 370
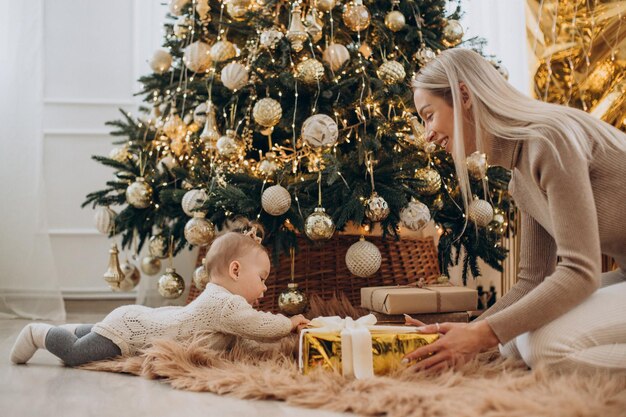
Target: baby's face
x: 255, y: 268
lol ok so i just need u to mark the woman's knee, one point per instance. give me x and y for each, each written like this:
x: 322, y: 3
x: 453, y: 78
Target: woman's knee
x: 543, y: 347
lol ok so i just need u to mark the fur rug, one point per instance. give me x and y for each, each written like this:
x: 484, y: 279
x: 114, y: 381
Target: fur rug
x: 488, y: 386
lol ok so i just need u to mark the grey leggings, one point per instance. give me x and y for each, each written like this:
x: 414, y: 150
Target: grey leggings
x: 81, y: 347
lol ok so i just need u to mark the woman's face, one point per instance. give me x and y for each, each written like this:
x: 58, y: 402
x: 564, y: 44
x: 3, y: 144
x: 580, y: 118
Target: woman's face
x: 438, y: 117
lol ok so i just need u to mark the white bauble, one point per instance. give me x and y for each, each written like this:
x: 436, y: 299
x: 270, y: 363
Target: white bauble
x: 223, y: 51
x: 228, y: 145
x: 161, y: 61
x: 276, y: 200
x: 234, y: 76
x: 415, y: 215
x: 480, y: 212
x: 320, y: 130
x: 336, y: 55
x: 192, y: 200
x: 176, y: 6
x: 105, y: 220
x: 197, y: 56
x: 363, y: 258
x: 270, y: 38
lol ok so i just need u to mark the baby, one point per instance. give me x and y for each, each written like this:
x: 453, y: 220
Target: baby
x: 238, y: 266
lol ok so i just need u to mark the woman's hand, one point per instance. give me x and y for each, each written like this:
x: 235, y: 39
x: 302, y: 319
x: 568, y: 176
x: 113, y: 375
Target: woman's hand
x: 298, y: 322
x: 459, y: 343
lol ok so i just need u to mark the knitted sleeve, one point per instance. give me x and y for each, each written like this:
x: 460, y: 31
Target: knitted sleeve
x: 240, y: 319
x: 537, y: 261
x: 572, y: 211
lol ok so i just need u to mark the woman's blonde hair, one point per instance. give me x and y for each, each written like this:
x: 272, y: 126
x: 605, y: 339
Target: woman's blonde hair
x: 237, y: 238
x: 499, y: 110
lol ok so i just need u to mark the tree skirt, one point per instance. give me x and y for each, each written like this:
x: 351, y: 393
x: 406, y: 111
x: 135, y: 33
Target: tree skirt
x: 488, y: 386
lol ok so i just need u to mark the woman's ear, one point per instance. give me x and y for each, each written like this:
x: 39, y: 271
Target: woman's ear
x: 233, y: 270
x: 466, y: 97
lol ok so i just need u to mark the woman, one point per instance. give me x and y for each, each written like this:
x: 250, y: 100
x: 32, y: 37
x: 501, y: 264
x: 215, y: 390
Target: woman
x: 569, y: 182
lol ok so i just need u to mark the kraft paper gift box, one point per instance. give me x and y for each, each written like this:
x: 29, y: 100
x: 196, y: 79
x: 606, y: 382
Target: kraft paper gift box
x: 415, y: 300
x: 357, y: 348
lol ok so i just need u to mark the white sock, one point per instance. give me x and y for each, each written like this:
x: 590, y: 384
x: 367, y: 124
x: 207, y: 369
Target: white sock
x: 31, y: 338
x: 70, y: 327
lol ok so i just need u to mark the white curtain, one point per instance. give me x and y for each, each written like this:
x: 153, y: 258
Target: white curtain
x: 29, y: 286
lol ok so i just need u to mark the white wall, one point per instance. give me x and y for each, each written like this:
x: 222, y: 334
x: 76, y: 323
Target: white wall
x: 94, y: 51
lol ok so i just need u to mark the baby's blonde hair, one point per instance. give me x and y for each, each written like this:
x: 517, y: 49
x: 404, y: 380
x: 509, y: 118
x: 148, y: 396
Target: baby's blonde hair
x: 238, y: 238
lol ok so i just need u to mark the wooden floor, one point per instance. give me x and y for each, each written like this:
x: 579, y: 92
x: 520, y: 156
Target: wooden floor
x: 44, y: 387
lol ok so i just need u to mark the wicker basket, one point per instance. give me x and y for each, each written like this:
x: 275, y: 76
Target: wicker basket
x: 321, y: 269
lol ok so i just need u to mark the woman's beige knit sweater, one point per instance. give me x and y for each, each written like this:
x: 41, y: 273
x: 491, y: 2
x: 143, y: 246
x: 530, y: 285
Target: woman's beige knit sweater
x: 570, y: 214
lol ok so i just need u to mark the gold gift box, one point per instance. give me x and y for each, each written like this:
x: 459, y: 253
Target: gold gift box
x: 323, y: 350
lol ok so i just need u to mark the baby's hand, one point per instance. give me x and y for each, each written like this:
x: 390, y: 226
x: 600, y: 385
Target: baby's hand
x: 298, y: 322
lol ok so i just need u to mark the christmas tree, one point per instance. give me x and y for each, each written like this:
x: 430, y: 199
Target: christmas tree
x: 298, y: 115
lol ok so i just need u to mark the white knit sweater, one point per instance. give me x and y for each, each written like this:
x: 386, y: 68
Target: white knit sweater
x: 217, y: 312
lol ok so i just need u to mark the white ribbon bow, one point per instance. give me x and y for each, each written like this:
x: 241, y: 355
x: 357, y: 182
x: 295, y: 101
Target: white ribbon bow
x: 356, y: 341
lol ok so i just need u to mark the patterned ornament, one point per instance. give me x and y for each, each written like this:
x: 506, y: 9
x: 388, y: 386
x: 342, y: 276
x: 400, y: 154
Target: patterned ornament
x: 419, y: 133
x: 270, y: 38
x: 237, y: 9
x: 319, y: 225
x: 480, y: 212
x: 210, y: 134
x: 200, y: 277
x: 157, y: 246
x: 268, y: 165
x: 477, y: 165
x: 365, y: 50
x: 336, y: 55
x: 376, y: 208
x: 310, y: 71
x: 391, y: 72
x: 174, y: 127
x: 424, y: 55
x: 229, y: 146
x: 197, y: 57
x: 171, y: 285
x: 234, y: 76
x: 395, y: 20
x: 161, y: 61
x: 363, y: 258
x: 193, y: 200
x: 150, y: 265
x: 415, y: 215
x: 430, y: 181
x: 199, y: 231
x: 452, y: 33
x: 105, y: 220
x: 292, y: 301
x: 276, y: 200
x: 325, y: 5
x: 176, y: 6
x: 139, y: 193
x: 131, y: 276
x: 267, y: 112
x: 356, y: 16
x: 313, y: 25
x: 223, y: 51
x: 320, y: 130
x: 114, y: 274
x: 297, y: 32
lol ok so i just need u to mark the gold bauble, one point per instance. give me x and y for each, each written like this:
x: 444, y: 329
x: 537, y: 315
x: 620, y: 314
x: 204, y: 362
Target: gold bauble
x: 237, y: 9
x: 292, y: 301
x: 223, y: 51
x: 200, y: 277
x: 203, y: 9
x: 336, y: 55
x: 197, y: 57
x: 395, y: 20
x: 296, y: 33
x: 276, y: 200
x: 480, y: 212
x: 174, y: 127
x: 477, y: 165
x: 430, y: 181
x: 376, y: 208
x: 356, y: 16
x: 171, y: 285
x: 365, y: 50
x: 424, y: 55
x: 415, y: 215
x: 391, y: 72
x: 319, y: 225
x: 193, y: 200
x: 158, y: 247
x: 139, y: 193
x: 199, y: 231
x: 131, y: 276
x: 178, y: 146
x: 114, y: 274
x: 161, y: 61
x: 150, y: 265
x: 229, y: 146
x: 268, y: 165
x: 363, y: 258
x: 267, y: 112
x: 310, y: 71
x: 325, y: 5
x: 452, y: 33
